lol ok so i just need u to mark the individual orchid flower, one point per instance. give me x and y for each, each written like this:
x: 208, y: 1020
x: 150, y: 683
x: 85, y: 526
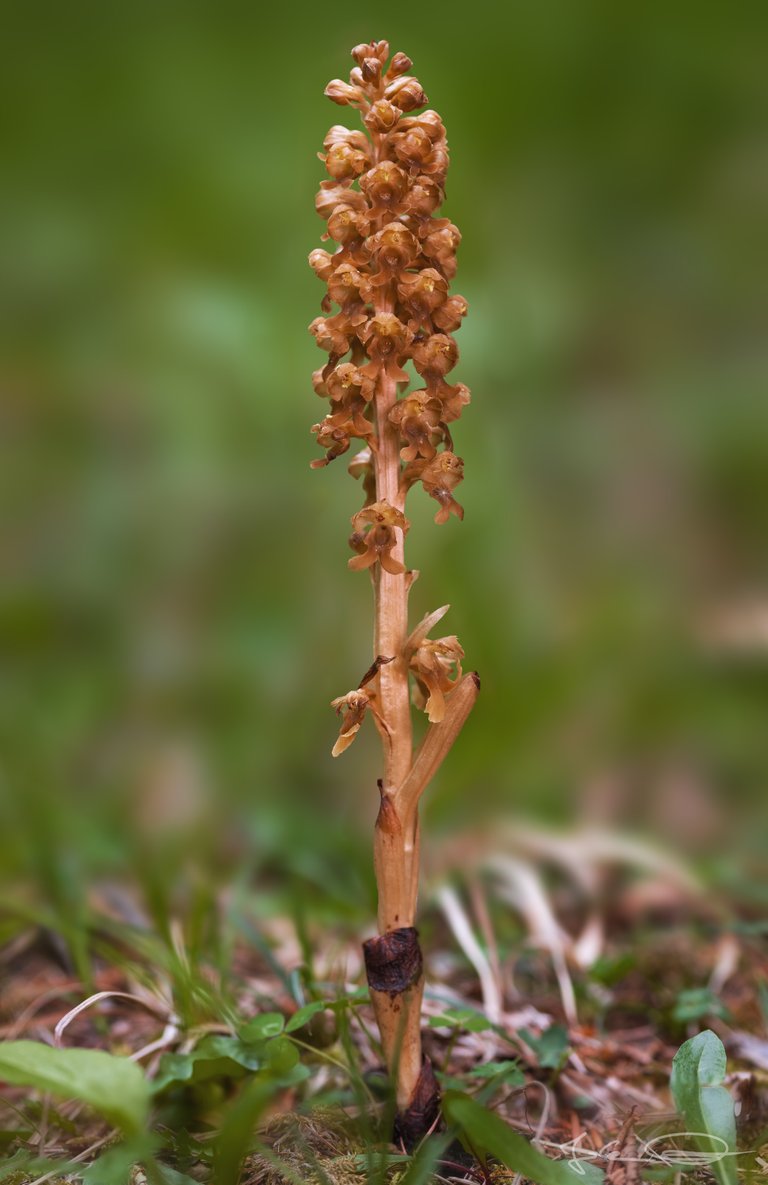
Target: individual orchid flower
x: 347, y: 153
x: 436, y: 664
x: 453, y: 399
x: 440, y: 244
x: 346, y: 285
x: 346, y: 380
x: 352, y: 708
x: 339, y: 427
x: 449, y: 316
x: 439, y: 477
x: 334, y: 193
x: 435, y: 355
x: 395, y: 248
x: 422, y: 294
x: 418, y: 418
x: 374, y: 537
x: 334, y: 334
x: 385, y: 186
x: 386, y: 339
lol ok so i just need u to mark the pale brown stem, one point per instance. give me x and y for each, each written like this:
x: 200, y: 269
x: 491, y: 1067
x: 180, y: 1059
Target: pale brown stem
x: 398, y: 1014
x: 391, y: 595
x: 391, y: 622
x: 393, y: 960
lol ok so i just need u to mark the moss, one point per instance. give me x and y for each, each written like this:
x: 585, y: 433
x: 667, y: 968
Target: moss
x: 315, y: 1148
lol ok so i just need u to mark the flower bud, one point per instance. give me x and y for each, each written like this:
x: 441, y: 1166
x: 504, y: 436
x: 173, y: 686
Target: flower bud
x: 400, y: 64
x: 343, y: 94
x: 406, y: 93
x: 371, y: 70
x: 371, y: 49
x: 321, y: 263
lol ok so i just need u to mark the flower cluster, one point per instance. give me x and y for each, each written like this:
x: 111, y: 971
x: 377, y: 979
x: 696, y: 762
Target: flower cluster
x: 388, y: 273
x: 387, y: 266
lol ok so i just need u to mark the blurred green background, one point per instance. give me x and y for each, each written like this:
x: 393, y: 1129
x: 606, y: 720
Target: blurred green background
x: 175, y: 609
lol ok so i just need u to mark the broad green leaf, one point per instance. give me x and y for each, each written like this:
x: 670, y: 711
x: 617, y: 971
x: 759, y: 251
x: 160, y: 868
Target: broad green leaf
x: 249, y: 1056
x: 282, y: 1058
x: 551, y: 1048
x: 486, y: 1132
x: 697, y: 1003
x: 113, y: 1086
x: 261, y: 1028
x: 698, y: 1070
x: 213, y: 1057
x: 300, y: 1018
x: 461, y: 1018
x: 174, y: 1069
x: 228, y: 1057
x: 509, y: 1073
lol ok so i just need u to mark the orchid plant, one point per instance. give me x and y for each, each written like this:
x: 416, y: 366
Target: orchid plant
x: 388, y: 273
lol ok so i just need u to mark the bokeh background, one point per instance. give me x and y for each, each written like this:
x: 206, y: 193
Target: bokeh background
x: 175, y: 609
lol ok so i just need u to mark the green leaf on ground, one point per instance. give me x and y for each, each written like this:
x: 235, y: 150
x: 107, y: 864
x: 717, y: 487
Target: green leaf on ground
x: 229, y: 1057
x: 510, y: 1073
x: 113, y: 1086
x: 461, y: 1018
x: 551, y: 1048
x: 300, y: 1018
x: 487, y: 1133
x: 261, y: 1028
x: 698, y: 1070
x: 698, y: 1003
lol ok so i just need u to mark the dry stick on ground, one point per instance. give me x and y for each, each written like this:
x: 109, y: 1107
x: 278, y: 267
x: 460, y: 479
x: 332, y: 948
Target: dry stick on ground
x: 389, y: 276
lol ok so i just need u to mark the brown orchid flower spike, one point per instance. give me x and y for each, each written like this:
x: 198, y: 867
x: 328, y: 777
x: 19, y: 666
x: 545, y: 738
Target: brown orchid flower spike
x: 387, y: 270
